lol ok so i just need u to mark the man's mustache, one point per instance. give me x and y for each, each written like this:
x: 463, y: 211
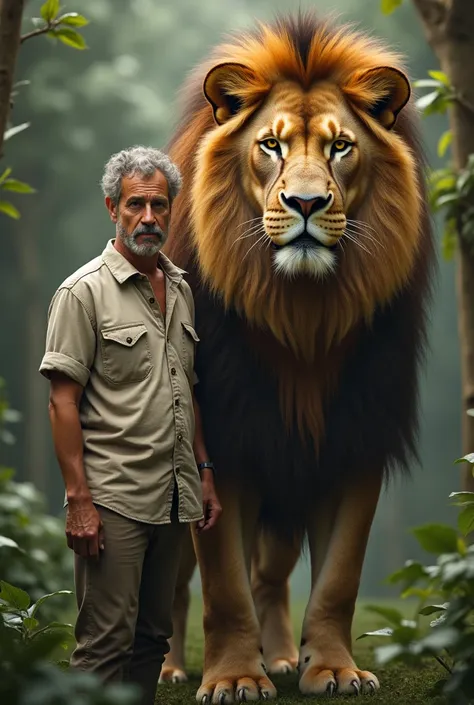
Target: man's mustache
x: 148, y: 230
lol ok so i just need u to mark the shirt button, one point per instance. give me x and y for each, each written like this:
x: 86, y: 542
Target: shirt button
x: 129, y: 340
x: 173, y: 371
x: 152, y: 300
x: 179, y: 437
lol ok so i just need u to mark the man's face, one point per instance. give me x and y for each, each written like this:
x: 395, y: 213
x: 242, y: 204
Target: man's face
x: 142, y: 214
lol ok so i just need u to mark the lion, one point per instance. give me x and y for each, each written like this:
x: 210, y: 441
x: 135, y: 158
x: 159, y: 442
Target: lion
x: 303, y: 227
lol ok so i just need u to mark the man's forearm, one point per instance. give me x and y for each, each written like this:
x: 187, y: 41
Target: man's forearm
x: 68, y: 444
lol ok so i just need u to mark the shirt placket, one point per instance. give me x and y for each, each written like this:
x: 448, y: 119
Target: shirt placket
x: 179, y: 418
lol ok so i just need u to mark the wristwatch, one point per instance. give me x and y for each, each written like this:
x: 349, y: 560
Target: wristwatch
x: 206, y: 464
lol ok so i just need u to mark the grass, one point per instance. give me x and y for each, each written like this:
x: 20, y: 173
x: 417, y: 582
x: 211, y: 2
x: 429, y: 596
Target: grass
x: 400, y: 685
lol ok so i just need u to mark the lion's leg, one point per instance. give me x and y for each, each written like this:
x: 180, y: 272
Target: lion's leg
x: 273, y: 563
x: 233, y: 662
x: 173, y: 669
x: 326, y: 662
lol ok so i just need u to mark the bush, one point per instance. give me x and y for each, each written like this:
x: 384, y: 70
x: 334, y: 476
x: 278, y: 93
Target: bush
x: 27, y: 674
x: 445, y: 590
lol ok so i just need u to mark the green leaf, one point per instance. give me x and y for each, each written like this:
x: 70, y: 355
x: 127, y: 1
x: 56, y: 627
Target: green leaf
x: 49, y: 10
x: 441, y: 77
x: 450, y: 240
x: 461, y: 498
x: 17, y: 186
x: 30, y: 623
x: 5, y: 174
x: 432, y: 609
x: 466, y: 520
x: 385, y: 654
x: 386, y: 631
x: 390, y: 614
x: 437, y: 538
x: 15, y: 130
x: 440, y: 638
x: 426, y: 100
x: 14, y: 596
x: 69, y: 37
x: 410, y: 573
x: 6, y: 542
x: 38, y: 603
x: 426, y: 83
x: 389, y: 6
x: 73, y: 19
x: 444, y: 142
x: 469, y: 458
x: 9, y: 209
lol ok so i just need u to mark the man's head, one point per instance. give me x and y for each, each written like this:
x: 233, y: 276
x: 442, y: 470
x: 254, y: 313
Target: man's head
x: 140, y: 184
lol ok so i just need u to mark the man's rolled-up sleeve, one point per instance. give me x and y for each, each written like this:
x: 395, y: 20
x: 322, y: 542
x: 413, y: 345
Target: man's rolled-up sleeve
x: 70, y: 338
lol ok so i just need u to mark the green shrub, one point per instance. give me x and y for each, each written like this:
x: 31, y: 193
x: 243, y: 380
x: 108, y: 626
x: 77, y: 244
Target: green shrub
x: 446, y: 590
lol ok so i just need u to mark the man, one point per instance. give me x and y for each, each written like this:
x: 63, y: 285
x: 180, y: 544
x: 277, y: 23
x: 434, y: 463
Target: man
x: 126, y: 426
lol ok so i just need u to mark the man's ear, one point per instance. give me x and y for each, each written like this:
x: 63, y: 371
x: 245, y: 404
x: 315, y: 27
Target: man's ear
x: 224, y: 86
x: 386, y: 91
x: 112, y: 208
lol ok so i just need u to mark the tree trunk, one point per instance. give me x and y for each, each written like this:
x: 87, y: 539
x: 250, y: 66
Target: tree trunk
x: 449, y: 28
x: 11, y: 12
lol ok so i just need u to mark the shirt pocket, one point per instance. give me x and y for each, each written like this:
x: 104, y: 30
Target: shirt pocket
x: 126, y: 355
x: 190, y: 340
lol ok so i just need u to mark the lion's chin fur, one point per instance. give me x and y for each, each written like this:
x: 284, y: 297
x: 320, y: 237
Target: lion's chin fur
x: 292, y: 262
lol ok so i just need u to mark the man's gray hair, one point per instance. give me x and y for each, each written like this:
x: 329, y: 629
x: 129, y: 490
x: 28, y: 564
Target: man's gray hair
x: 139, y: 160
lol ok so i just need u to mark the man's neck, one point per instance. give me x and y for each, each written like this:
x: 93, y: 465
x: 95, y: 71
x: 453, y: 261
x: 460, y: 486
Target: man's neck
x: 145, y: 265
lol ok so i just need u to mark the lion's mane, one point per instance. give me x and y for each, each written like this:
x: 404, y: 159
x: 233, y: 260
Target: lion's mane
x: 304, y: 383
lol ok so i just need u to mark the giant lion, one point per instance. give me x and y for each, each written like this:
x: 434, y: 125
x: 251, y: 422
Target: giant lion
x: 303, y: 227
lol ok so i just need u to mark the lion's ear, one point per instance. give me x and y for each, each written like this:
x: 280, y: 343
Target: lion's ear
x: 224, y: 86
x: 388, y: 91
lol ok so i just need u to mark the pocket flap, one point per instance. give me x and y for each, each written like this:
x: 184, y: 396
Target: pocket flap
x: 125, y: 335
x: 190, y: 330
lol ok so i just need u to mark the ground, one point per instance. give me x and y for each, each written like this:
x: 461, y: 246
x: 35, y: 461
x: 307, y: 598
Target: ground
x: 400, y: 685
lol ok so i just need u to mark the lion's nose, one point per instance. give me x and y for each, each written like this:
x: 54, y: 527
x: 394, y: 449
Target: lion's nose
x: 307, y: 205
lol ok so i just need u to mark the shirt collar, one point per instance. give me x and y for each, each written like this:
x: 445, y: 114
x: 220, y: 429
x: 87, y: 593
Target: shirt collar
x: 122, y: 269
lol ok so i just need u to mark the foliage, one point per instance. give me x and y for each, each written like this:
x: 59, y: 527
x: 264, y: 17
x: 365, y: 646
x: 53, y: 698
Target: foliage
x: 451, y: 191
x: 33, y: 551
x: 446, y: 590
x: 61, y: 27
x: 27, y: 674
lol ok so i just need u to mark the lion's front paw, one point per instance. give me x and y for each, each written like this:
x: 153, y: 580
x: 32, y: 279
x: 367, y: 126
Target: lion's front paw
x: 342, y: 681
x: 235, y: 689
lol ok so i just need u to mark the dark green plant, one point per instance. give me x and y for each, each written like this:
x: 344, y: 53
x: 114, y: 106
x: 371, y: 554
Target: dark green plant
x: 445, y: 589
x: 28, y: 674
x: 33, y: 550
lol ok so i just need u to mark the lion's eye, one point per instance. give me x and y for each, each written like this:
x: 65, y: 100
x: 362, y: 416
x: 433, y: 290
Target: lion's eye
x: 270, y: 145
x: 341, y: 147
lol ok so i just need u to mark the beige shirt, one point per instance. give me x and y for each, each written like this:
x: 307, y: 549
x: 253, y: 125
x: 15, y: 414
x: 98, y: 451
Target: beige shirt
x: 107, y: 332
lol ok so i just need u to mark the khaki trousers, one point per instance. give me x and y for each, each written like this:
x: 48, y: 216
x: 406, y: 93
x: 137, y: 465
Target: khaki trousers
x: 125, y: 601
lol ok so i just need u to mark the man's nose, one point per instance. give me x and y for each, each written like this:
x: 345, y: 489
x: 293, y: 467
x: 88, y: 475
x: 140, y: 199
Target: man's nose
x: 307, y: 205
x: 148, y: 215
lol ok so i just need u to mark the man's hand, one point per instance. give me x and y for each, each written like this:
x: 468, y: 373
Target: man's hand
x: 84, y: 529
x: 211, y: 506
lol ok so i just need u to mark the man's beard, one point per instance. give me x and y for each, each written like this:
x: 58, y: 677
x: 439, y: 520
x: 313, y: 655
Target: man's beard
x: 144, y: 249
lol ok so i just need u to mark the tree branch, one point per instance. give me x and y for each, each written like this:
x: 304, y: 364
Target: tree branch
x: 11, y: 12
x: 35, y: 33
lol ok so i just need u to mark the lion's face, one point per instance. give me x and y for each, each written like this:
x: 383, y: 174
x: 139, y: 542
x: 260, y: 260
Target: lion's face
x: 304, y: 156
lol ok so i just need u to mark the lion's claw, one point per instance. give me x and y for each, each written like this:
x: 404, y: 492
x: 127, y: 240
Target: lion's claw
x: 356, y: 685
x: 331, y: 689
x: 242, y: 695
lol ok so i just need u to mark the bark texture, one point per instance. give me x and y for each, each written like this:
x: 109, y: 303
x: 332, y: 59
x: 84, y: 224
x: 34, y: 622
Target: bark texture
x: 11, y: 12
